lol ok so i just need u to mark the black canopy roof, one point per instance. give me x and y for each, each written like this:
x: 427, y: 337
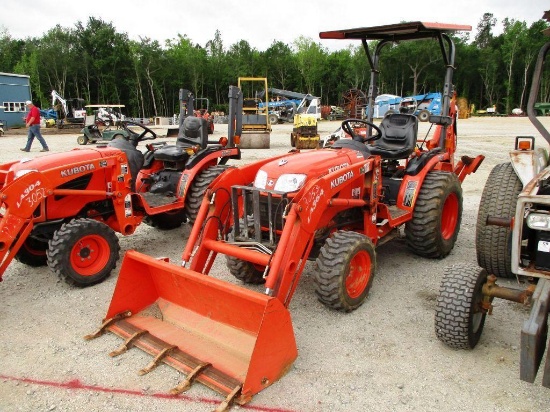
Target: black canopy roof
x: 396, y: 32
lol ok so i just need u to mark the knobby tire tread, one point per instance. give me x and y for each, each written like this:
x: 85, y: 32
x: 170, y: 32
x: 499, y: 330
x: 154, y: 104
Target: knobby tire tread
x: 423, y: 232
x: 332, y: 264
x: 59, y: 249
x: 198, y: 187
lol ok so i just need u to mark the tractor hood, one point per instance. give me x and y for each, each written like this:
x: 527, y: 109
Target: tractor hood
x: 290, y: 173
x: 57, y: 160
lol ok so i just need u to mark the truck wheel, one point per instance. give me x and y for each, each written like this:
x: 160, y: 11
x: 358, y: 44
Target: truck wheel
x: 198, y: 186
x: 83, y: 252
x: 273, y: 119
x: 499, y: 199
x: 424, y: 115
x: 33, y: 253
x: 346, y: 263
x: 167, y: 220
x: 434, y: 226
x: 459, y: 316
x: 82, y: 140
x: 246, y: 272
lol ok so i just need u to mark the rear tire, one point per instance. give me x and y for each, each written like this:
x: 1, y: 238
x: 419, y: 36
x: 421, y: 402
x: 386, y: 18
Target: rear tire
x: 83, y: 252
x: 437, y: 214
x: 33, y: 253
x: 197, y: 189
x: 499, y: 199
x: 167, y: 220
x: 273, y: 119
x: 246, y: 272
x: 459, y: 317
x: 347, y: 264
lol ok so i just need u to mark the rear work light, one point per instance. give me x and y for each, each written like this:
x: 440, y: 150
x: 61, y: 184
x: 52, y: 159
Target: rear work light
x: 525, y: 143
x: 538, y: 221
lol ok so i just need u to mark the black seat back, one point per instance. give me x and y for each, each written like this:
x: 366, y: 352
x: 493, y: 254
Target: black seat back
x: 399, y: 133
x: 194, y: 131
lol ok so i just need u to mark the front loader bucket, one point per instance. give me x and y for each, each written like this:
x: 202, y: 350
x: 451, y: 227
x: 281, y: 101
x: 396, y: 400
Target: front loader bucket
x: 234, y: 340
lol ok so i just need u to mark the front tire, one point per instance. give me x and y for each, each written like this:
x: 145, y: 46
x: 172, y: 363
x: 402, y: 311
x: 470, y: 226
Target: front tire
x: 246, y: 272
x: 435, y: 223
x: 459, y: 315
x: 499, y: 199
x: 33, y: 253
x: 83, y: 252
x: 82, y: 140
x: 167, y: 220
x: 197, y: 189
x: 347, y: 264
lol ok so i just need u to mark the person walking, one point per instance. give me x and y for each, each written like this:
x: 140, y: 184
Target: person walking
x: 32, y: 121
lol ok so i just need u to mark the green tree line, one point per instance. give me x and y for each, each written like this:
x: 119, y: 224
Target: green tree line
x: 94, y: 61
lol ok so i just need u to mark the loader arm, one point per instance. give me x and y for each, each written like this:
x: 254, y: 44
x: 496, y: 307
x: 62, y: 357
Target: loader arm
x: 318, y: 203
x: 219, y: 187
x: 313, y: 207
x: 19, y: 199
x: 23, y: 199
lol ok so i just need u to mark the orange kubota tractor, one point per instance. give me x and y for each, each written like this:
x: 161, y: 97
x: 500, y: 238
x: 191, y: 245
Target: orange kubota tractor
x: 269, y: 218
x: 64, y: 209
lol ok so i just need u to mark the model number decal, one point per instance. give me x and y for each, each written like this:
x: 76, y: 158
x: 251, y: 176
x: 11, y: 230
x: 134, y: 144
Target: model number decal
x: 313, y: 200
x: 32, y: 194
x: 335, y: 168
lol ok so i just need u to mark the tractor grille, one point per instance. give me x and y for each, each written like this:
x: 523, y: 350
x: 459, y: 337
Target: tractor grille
x: 262, y: 215
x: 80, y: 183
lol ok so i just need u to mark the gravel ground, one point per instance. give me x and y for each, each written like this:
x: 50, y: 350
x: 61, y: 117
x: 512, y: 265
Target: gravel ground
x: 382, y: 357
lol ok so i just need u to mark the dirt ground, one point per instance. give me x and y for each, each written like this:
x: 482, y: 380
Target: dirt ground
x: 382, y: 357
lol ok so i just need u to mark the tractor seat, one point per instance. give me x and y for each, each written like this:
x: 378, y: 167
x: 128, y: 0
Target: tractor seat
x: 399, y: 133
x: 193, y: 132
x: 171, y: 153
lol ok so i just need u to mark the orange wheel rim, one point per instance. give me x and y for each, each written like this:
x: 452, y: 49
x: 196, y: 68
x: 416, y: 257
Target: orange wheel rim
x: 449, y: 218
x: 90, y: 255
x: 359, y: 274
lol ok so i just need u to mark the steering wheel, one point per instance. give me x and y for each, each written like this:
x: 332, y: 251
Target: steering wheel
x: 349, y: 129
x: 135, y: 138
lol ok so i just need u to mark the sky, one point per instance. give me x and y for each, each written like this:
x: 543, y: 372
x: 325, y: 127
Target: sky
x: 258, y: 22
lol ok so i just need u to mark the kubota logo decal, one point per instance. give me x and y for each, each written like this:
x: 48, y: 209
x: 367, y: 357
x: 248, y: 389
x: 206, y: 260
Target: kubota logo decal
x: 341, y: 179
x: 77, y: 169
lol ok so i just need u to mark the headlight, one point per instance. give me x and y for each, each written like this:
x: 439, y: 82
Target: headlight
x: 290, y: 182
x: 23, y: 172
x: 538, y: 221
x: 261, y: 179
